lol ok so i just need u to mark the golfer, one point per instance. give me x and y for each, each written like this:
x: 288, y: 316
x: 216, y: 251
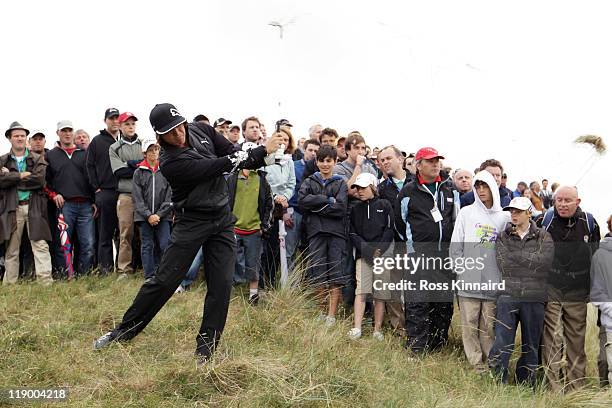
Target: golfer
x: 194, y: 158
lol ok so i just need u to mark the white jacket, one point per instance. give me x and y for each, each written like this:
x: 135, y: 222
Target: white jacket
x: 476, y: 230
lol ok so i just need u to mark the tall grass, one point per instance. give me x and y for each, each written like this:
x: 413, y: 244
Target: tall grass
x: 274, y: 354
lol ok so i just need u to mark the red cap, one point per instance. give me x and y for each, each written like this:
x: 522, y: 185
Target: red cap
x: 427, y: 153
x: 125, y: 116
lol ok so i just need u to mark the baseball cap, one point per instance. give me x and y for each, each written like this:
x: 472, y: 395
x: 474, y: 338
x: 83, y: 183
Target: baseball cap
x: 201, y: 117
x: 428, y: 153
x: 111, y: 112
x: 164, y: 117
x: 146, y: 143
x: 125, y: 116
x: 284, y: 122
x: 364, y: 180
x: 222, y: 121
x: 63, y: 124
x: 235, y: 126
x: 519, y: 203
x: 36, y: 133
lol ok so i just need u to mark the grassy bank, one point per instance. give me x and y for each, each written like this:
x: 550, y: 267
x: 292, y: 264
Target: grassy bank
x: 273, y: 355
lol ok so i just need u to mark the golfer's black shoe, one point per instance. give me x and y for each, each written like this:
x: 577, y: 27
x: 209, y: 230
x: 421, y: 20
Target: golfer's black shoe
x: 253, y: 300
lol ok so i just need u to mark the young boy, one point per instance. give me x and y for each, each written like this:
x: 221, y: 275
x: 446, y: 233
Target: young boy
x: 372, y: 235
x: 323, y: 198
x: 152, y: 207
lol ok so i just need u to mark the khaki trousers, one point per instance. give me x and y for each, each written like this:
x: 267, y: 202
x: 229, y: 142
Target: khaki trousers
x: 125, y: 214
x: 564, y: 322
x: 40, y: 249
x: 477, y: 329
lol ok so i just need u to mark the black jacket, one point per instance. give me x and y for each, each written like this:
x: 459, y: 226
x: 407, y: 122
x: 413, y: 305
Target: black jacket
x: 525, y: 263
x: 151, y: 193
x: 195, y: 172
x: 574, y: 247
x: 310, y: 168
x: 67, y: 174
x: 324, y: 205
x: 387, y: 190
x: 99, y: 169
x: 414, y: 219
x: 371, y: 227
x: 265, y: 204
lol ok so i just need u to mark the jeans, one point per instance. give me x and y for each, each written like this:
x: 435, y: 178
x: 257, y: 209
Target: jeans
x: 292, y: 240
x: 79, y: 217
x: 247, y: 258
x: 192, y: 273
x: 152, y: 235
x: 531, y: 317
x: 106, y: 201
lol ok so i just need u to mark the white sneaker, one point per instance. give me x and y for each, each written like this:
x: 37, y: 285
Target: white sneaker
x: 180, y: 289
x: 354, y: 333
x: 330, y: 321
x: 378, y: 336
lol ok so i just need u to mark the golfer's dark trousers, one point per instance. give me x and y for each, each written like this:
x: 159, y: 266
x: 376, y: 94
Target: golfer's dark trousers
x: 215, y: 233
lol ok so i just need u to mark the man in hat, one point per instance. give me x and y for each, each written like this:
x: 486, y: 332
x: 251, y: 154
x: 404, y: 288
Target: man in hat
x: 37, y: 142
x: 104, y: 184
x: 70, y: 192
x: 221, y: 125
x: 428, y: 207
x: 194, y: 160
x: 22, y: 177
x: 125, y: 155
x: 234, y: 134
x: 201, y: 118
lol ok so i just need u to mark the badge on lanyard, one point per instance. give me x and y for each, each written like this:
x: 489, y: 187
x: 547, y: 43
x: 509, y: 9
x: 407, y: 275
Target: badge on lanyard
x: 435, y: 213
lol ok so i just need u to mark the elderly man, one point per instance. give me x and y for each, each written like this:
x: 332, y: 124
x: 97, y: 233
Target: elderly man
x: 463, y: 181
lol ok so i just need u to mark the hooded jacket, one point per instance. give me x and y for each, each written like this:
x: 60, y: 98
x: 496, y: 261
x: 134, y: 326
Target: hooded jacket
x: 99, y: 169
x: 151, y: 193
x: 264, y: 202
x: 525, y: 263
x: 324, y: 204
x: 476, y: 231
x: 371, y: 227
x: 415, y: 221
x: 195, y: 172
x: 125, y: 157
x: 601, y: 282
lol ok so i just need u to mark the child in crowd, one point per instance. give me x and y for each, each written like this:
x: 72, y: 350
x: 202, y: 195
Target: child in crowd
x: 323, y: 200
x: 371, y: 233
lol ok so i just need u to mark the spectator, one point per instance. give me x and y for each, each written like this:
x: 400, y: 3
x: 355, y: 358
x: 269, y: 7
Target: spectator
x: 609, y: 222
x: 315, y: 132
x: 340, y: 142
x: 520, y: 187
x: 546, y: 195
x: 371, y: 232
x: 409, y: 164
x: 281, y: 176
x: 125, y: 157
x: 202, y: 119
x: 22, y: 178
x: 323, y: 200
x: 531, y: 196
x: 476, y: 230
x: 263, y: 134
x: 428, y: 208
x: 601, y: 296
x: 251, y: 202
x: 293, y: 218
x: 251, y: 129
x: 81, y: 139
x: 576, y: 235
x: 328, y: 138
x: 72, y: 195
x: 104, y: 184
x: 463, y: 181
x: 37, y: 142
x: 222, y: 126
x: 234, y: 134
x: 153, y: 207
x: 391, y: 160
x: 536, y: 200
x: 553, y: 188
x: 524, y: 256
x: 496, y: 169
x: 504, y: 185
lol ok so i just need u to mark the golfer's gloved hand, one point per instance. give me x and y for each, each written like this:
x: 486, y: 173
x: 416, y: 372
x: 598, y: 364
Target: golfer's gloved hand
x: 238, y: 158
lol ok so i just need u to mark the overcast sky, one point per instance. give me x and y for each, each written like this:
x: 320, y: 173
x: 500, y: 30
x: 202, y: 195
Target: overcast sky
x: 517, y: 81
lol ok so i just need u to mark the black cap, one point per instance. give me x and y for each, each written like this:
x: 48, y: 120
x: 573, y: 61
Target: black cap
x: 110, y: 112
x: 222, y: 121
x: 201, y: 117
x: 283, y: 122
x: 164, y: 117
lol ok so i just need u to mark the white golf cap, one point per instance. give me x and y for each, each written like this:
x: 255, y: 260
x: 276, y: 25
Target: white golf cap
x: 146, y: 143
x: 519, y: 203
x: 63, y: 124
x: 364, y: 180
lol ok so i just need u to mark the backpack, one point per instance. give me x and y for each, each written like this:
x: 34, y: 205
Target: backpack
x: 550, y: 215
